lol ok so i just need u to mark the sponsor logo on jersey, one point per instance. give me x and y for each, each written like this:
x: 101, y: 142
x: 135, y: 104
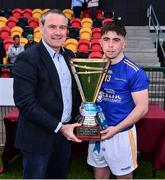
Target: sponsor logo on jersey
x: 110, y: 97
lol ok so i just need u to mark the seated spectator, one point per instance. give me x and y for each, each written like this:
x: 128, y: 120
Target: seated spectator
x: 2, y: 53
x: 77, y: 6
x: 31, y: 41
x: 92, y: 6
x: 15, y: 49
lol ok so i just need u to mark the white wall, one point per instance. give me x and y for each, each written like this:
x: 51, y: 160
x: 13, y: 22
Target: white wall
x: 6, y: 92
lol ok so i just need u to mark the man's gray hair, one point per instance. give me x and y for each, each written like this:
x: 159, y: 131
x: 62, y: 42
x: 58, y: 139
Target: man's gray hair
x: 52, y: 11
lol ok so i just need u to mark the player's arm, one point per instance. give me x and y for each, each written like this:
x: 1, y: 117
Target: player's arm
x: 141, y: 108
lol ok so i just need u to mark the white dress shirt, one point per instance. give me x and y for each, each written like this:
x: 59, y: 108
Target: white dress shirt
x: 65, y: 82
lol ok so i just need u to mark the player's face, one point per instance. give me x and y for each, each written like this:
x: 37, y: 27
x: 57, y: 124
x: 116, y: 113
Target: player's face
x: 54, y: 31
x: 113, y: 45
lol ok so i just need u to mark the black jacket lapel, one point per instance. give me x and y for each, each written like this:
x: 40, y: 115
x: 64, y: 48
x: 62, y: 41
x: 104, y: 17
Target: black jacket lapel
x: 45, y: 57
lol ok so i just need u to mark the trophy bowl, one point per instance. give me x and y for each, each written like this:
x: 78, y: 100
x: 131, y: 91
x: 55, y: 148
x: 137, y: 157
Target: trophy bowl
x: 89, y: 75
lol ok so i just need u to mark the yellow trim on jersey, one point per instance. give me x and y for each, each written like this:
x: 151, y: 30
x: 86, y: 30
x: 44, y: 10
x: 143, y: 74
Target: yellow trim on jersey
x: 133, y: 148
x: 131, y: 65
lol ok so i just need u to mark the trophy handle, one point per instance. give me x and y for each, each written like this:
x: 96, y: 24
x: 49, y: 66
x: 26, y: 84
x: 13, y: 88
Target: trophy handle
x: 101, y: 79
x: 78, y: 82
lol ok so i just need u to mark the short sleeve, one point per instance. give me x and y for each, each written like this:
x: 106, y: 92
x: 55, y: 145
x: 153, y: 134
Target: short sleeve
x: 139, y: 81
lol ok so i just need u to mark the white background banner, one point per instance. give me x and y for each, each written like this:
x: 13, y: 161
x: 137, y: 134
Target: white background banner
x: 6, y: 92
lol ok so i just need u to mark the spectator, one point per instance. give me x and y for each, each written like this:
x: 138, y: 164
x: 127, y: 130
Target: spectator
x: 30, y: 42
x: 77, y: 6
x: 92, y: 6
x: 2, y: 54
x: 15, y: 49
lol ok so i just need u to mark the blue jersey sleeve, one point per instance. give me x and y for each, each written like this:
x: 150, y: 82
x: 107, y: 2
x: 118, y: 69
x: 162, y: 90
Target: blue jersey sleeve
x: 139, y: 81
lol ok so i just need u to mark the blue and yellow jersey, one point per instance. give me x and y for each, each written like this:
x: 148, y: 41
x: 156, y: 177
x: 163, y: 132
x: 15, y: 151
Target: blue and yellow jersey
x: 120, y: 81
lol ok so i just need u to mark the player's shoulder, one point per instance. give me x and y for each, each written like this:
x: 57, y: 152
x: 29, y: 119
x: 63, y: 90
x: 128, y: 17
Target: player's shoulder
x: 130, y: 65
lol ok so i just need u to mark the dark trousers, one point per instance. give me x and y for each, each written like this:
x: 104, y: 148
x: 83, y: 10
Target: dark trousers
x: 77, y: 11
x: 92, y: 12
x: 53, y: 165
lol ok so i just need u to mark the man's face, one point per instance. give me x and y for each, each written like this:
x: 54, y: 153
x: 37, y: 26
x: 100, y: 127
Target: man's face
x: 30, y: 40
x: 54, y: 31
x: 112, y: 45
x: 17, y: 41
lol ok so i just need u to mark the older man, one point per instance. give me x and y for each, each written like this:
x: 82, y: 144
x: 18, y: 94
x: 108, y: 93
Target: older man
x: 47, y: 96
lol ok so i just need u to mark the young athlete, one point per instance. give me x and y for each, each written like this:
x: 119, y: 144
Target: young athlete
x: 123, y: 98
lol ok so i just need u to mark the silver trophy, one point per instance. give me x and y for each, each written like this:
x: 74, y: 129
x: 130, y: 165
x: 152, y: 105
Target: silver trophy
x: 89, y: 75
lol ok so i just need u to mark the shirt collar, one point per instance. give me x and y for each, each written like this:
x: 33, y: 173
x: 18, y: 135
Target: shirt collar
x: 53, y: 53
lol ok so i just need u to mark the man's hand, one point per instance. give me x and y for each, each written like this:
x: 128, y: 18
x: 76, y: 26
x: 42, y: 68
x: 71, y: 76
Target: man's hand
x: 67, y: 131
x: 108, y: 132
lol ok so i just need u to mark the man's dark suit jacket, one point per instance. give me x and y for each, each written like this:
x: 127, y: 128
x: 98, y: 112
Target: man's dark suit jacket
x: 37, y: 94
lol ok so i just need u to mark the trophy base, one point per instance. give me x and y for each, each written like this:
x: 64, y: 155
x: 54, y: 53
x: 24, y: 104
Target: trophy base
x: 88, y: 133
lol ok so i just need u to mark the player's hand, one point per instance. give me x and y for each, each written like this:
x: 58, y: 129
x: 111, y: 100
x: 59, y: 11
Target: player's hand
x: 108, y: 132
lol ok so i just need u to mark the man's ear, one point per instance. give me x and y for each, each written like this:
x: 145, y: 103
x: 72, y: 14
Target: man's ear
x: 41, y: 28
x: 124, y: 44
x: 100, y: 41
x: 67, y: 33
